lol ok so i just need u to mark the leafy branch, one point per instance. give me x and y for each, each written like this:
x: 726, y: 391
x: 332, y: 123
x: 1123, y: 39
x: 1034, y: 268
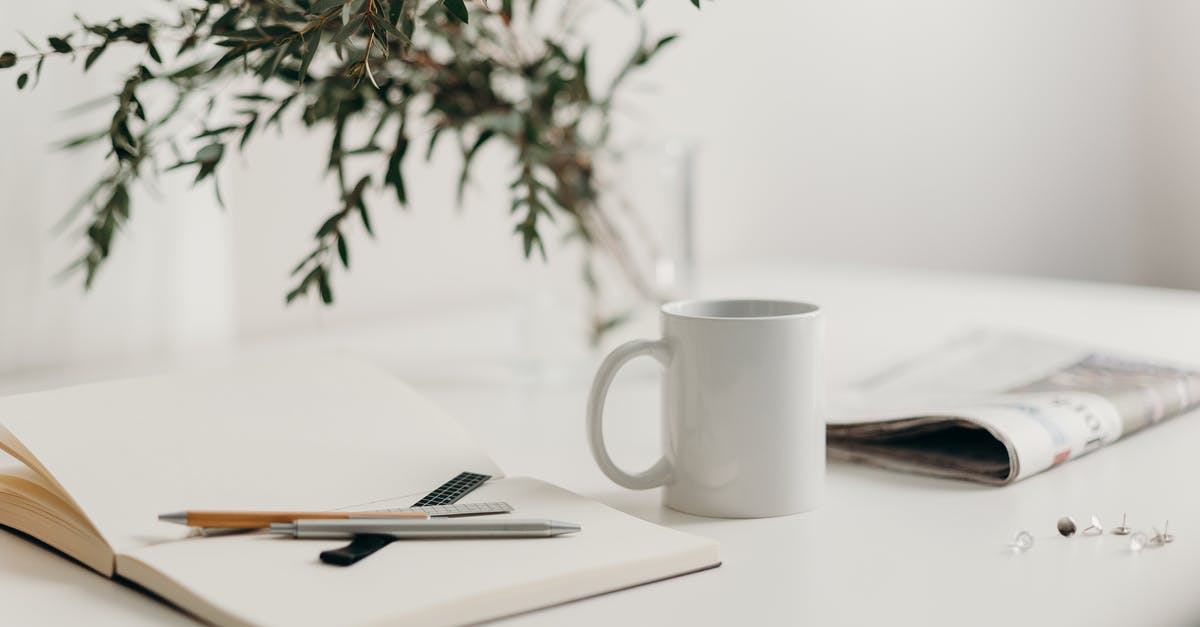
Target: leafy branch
x: 477, y: 73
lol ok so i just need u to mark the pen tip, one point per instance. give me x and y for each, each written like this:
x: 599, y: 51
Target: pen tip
x: 559, y: 527
x: 179, y: 518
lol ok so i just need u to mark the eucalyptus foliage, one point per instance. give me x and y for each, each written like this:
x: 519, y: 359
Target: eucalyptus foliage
x: 476, y: 74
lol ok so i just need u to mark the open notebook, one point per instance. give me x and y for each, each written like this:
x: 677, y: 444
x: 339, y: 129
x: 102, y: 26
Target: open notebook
x: 98, y: 463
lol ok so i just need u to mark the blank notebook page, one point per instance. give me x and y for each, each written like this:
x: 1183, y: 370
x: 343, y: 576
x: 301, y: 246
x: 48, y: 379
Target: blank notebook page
x: 295, y: 433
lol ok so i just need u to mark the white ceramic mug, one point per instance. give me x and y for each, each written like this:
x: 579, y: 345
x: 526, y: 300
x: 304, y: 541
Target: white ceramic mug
x: 743, y: 405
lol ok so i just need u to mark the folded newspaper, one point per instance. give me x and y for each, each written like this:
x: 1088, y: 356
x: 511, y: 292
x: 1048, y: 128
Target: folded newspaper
x: 998, y: 407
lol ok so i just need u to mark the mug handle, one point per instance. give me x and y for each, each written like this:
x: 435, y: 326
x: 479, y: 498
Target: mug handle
x: 660, y: 472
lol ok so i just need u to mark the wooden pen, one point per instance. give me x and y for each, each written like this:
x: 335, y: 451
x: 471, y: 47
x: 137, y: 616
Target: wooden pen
x: 263, y: 520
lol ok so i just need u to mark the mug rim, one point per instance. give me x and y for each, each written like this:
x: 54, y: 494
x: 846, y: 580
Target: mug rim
x: 679, y: 309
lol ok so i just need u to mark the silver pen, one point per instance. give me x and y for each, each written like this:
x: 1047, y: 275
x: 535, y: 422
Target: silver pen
x: 416, y: 528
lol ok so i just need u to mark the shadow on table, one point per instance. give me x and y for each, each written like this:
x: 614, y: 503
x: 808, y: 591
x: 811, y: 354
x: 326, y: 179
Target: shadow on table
x: 842, y: 479
x: 842, y: 476
x: 840, y: 471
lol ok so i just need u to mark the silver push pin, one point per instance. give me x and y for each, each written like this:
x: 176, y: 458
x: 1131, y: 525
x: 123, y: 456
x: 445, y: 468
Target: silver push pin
x: 1095, y: 528
x: 1066, y: 526
x: 1123, y: 529
x: 1157, y: 539
x: 1022, y: 542
x: 1167, y: 536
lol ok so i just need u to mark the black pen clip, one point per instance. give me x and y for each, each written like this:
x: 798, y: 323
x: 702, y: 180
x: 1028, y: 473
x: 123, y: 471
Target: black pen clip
x: 362, y: 546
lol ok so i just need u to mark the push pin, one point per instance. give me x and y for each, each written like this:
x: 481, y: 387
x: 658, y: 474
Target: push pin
x: 1022, y: 542
x: 1095, y: 528
x: 1066, y: 526
x: 1123, y: 529
x: 1167, y: 536
x: 1137, y: 541
x: 1157, y: 539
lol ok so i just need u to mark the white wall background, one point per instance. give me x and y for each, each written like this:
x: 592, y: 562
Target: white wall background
x: 168, y: 287
x: 1171, y: 126
x: 1019, y: 136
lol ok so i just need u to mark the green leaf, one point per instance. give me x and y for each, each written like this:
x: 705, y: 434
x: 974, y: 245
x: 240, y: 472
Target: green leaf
x: 7, y: 60
x: 271, y: 63
x: 138, y: 33
x: 215, y: 132
x: 433, y: 137
x: 395, y: 175
x: 190, y: 71
x: 505, y: 123
x: 276, y: 115
x: 92, y: 56
x: 640, y: 57
x: 319, y: 8
x: 408, y: 20
x: 343, y: 251
x: 60, y: 45
x: 95, y: 29
x: 330, y: 225
x: 324, y: 288
x: 231, y: 56
x: 457, y: 8
x: 312, y: 276
x: 76, y: 142
x: 360, y: 187
x: 310, y: 41
x: 304, y: 262
x: 227, y: 22
x: 581, y: 75
x: 188, y: 43
x: 210, y: 154
x: 296, y: 293
x: 484, y: 135
x: 206, y: 170
x: 153, y: 51
x: 22, y: 80
x: 348, y: 30
x: 395, y: 10
x: 118, y: 203
x: 605, y: 325
x: 530, y: 237
x: 335, y: 145
x: 247, y: 131
x: 356, y: 197
x: 388, y: 27
x: 662, y: 42
x: 366, y: 218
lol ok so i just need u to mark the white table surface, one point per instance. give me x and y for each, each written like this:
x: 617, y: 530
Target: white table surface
x: 885, y: 548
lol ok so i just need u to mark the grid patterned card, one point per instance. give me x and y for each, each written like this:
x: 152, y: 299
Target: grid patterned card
x: 453, y: 490
x: 454, y: 509
x: 365, y: 545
